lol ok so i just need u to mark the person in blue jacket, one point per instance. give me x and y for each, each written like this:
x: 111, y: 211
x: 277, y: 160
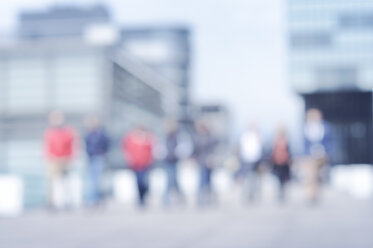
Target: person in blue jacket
x: 97, y: 146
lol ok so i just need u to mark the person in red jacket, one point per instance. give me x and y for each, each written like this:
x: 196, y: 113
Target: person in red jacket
x: 281, y: 159
x: 137, y: 147
x: 59, y: 148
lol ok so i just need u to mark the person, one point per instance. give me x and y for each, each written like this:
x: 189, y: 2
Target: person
x: 97, y: 146
x: 204, y: 145
x: 137, y: 148
x: 172, y: 145
x: 59, y: 146
x: 281, y: 160
x: 316, y: 132
x: 251, y: 153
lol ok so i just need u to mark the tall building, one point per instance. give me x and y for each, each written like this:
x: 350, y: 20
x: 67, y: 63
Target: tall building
x: 167, y: 51
x: 331, y: 61
x: 79, y: 69
x: 61, y: 21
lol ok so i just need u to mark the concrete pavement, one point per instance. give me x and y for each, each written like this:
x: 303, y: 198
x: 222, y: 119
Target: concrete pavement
x: 338, y: 221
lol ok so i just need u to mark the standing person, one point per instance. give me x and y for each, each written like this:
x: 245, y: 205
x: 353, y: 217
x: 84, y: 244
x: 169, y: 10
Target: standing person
x: 173, y: 144
x: 251, y: 153
x: 59, y: 144
x: 281, y: 160
x: 137, y: 148
x: 204, y: 145
x: 97, y: 146
x: 316, y: 142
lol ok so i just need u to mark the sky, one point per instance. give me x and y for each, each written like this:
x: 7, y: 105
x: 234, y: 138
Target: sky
x: 239, y: 52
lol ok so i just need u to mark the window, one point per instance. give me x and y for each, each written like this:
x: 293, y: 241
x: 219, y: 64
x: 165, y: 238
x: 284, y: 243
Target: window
x: 27, y: 89
x: 310, y: 40
x: 356, y: 20
x: 76, y: 82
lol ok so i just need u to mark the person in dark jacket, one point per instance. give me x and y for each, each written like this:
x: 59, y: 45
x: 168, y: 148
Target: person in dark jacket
x: 281, y: 160
x: 97, y: 145
x: 172, y: 145
x: 204, y: 146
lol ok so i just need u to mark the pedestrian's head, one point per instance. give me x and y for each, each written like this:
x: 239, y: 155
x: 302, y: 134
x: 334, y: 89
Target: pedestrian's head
x: 201, y: 127
x: 172, y: 126
x: 252, y: 127
x: 56, y: 118
x: 314, y: 115
x: 92, y: 122
x: 282, y: 132
x: 140, y: 128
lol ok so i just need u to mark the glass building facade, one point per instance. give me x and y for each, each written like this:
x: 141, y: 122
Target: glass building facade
x: 167, y: 51
x: 55, y: 65
x: 331, y: 61
x: 331, y: 44
x: 77, y: 79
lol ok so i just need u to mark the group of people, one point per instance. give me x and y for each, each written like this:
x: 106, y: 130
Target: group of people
x: 280, y: 160
x: 60, y: 146
x: 140, y: 149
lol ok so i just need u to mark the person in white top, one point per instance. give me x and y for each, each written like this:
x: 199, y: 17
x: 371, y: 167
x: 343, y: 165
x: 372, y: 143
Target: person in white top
x: 316, y: 133
x: 251, y: 153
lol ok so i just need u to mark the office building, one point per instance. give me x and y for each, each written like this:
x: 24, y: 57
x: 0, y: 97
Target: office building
x: 167, y: 51
x: 78, y: 69
x: 331, y: 59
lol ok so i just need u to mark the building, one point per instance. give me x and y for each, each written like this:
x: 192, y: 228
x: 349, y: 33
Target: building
x: 167, y: 51
x: 61, y: 21
x: 77, y: 69
x: 331, y: 58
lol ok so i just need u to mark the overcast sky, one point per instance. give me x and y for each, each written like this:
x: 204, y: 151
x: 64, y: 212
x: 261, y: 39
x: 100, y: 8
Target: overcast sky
x: 239, y: 50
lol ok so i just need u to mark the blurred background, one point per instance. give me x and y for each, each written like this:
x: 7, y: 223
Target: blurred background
x: 242, y: 68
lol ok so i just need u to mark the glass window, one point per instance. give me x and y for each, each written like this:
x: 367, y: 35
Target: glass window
x: 310, y: 40
x: 77, y: 85
x: 356, y: 20
x: 27, y: 88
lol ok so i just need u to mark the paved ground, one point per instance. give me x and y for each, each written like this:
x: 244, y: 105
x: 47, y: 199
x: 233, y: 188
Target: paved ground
x: 338, y: 221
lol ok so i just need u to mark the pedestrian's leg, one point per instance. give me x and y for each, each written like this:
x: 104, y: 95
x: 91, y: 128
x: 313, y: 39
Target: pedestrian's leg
x: 173, y: 178
x: 314, y: 182
x: 98, y: 168
x: 311, y: 179
x: 282, y: 176
x: 166, y: 196
x: 139, y: 187
x: 178, y: 190
x: 252, y: 184
x: 50, y: 185
x: 56, y: 186
x: 91, y: 183
x: 202, y: 185
x: 143, y: 182
x: 281, y: 195
x: 208, y: 186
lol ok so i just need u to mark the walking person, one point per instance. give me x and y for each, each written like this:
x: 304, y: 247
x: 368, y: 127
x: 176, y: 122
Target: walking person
x: 251, y: 153
x: 137, y: 147
x: 316, y: 132
x: 59, y: 145
x: 97, y: 146
x: 204, y: 146
x: 173, y: 144
x: 281, y: 160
